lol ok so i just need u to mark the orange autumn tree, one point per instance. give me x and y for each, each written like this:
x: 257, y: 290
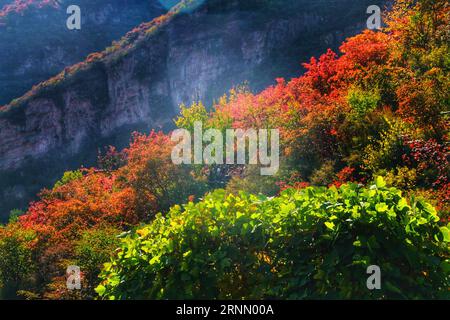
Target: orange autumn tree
x: 151, y: 178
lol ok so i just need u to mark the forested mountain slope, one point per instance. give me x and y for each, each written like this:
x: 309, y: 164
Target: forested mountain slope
x: 198, y: 51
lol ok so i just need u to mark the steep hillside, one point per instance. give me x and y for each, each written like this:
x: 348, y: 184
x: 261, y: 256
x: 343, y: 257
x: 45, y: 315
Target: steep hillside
x: 36, y: 43
x: 197, y: 51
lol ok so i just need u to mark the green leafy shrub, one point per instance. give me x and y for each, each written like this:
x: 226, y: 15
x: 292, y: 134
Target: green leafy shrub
x: 16, y: 264
x: 190, y: 115
x: 363, y: 102
x: 68, y: 177
x: 95, y: 247
x: 312, y: 243
x: 14, y: 215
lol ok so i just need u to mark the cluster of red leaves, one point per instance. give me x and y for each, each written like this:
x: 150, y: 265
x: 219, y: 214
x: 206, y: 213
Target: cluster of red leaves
x: 143, y: 148
x: 256, y: 111
x: 430, y: 156
x: 343, y: 176
x: 283, y: 185
x: 64, y: 213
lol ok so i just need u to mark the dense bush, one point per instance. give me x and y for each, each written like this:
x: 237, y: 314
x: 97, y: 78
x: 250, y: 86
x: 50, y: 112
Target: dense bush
x: 16, y: 264
x: 363, y: 102
x: 68, y: 177
x: 95, y: 247
x: 312, y: 243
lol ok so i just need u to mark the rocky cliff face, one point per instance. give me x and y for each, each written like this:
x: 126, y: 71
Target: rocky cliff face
x: 194, y: 54
x: 36, y: 43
